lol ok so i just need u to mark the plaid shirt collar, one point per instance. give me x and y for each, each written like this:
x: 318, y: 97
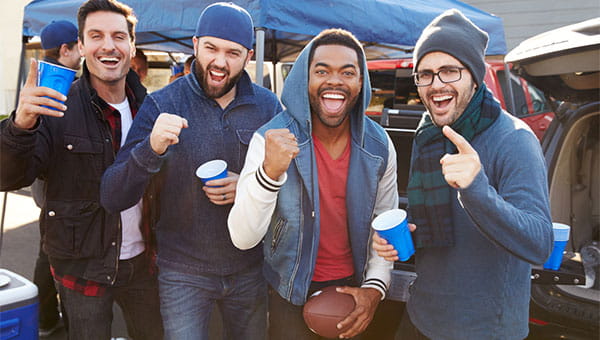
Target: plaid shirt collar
x: 113, y: 116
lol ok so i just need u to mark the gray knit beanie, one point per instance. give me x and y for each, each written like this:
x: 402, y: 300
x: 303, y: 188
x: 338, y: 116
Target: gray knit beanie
x: 453, y: 33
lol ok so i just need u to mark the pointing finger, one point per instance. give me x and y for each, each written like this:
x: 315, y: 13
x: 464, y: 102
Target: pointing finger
x: 459, y: 141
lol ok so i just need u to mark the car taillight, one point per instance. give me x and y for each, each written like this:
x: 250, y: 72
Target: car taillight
x: 404, y: 64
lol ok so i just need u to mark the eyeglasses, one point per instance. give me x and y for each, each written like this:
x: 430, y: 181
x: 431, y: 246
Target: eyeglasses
x: 446, y: 75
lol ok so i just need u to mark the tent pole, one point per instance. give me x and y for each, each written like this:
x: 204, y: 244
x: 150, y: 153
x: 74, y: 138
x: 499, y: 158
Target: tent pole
x: 260, y: 55
x: 23, y: 68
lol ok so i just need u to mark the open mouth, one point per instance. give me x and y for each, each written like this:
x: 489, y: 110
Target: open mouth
x: 109, y: 61
x: 217, y: 75
x: 333, y: 102
x: 442, y: 101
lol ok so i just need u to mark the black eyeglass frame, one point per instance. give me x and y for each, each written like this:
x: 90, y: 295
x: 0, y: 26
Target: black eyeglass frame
x: 434, y: 74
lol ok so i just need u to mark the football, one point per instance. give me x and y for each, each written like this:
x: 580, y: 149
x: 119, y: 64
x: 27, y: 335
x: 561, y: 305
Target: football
x: 325, y: 309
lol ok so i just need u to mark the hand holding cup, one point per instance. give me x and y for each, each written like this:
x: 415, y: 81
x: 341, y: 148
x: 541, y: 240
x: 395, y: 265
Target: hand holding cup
x: 393, y: 228
x: 37, y: 100
x: 219, y: 184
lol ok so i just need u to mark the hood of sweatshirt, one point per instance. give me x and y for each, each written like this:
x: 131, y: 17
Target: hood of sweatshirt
x: 296, y: 99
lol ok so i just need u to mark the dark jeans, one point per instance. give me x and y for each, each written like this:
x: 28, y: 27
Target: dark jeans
x: 285, y: 319
x: 408, y: 331
x: 188, y: 301
x: 42, y: 277
x: 135, y: 291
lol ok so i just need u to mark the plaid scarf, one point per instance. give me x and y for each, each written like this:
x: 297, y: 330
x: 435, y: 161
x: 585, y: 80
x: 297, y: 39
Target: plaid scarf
x: 430, y: 197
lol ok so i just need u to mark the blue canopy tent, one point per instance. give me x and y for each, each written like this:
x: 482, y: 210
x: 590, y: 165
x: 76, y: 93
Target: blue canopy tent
x: 388, y: 28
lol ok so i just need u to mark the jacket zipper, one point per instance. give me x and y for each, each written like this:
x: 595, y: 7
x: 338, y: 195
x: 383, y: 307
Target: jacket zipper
x: 117, y: 245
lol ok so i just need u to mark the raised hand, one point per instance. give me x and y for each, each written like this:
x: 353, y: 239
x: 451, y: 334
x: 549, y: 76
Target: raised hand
x: 280, y: 148
x: 166, y: 131
x: 460, y: 169
x: 31, y: 99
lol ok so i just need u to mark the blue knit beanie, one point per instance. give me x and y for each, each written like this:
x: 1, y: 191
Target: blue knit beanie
x: 57, y: 33
x: 453, y: 33
x: 228, y: 21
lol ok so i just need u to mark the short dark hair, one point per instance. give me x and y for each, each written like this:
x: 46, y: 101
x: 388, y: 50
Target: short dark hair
x: 141, y: 55
x: 92, y: 6
x: 54, y: 53
x: 338, y: 36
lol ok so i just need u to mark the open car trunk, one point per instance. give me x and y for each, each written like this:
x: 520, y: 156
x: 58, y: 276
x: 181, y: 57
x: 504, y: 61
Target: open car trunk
x: 573, y: 159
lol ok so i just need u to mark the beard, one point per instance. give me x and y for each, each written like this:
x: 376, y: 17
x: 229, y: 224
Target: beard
x: 216, y: 91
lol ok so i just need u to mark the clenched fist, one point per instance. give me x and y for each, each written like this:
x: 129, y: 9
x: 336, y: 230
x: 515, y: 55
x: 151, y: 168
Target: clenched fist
x: 166, y: 132
x: 280, y: 148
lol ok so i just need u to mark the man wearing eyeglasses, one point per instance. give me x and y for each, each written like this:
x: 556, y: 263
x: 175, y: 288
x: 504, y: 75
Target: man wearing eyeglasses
x: 478, y: 197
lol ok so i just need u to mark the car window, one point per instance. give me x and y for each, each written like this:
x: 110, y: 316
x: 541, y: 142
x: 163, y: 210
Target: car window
x: 538, y: 100
x: 392, y: 88
x: 520, y: 108
x: 382, y: 90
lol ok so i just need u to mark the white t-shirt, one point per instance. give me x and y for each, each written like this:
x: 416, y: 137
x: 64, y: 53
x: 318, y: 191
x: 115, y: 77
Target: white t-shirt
x: 133, y: 242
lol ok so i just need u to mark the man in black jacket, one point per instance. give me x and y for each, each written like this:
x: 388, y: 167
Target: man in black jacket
x: 96, y: 257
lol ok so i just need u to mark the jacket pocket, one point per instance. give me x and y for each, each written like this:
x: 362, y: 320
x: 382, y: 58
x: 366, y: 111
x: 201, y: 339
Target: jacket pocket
x: 86, y: 155
x: 73, y: 229
x: 278, y: 230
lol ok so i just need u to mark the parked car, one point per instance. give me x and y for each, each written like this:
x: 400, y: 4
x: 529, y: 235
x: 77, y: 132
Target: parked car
x: 394, y: 88
x: 565, y: 65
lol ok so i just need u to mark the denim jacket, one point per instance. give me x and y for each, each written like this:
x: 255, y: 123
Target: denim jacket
x: 288, y: 220
x: 192, y: 232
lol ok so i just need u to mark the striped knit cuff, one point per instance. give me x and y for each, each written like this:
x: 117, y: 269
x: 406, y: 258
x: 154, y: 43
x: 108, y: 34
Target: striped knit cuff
x: 266, y: 182
x: 375, y: 284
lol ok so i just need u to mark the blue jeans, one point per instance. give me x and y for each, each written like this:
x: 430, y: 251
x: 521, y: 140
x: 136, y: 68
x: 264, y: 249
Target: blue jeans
x: 187, y: 300
x: 135, y: 291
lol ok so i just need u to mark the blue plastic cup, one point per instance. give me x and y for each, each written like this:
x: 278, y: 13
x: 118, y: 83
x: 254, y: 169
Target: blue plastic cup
x: 393, y: 226
x: 210, y: 170
x: 55, y: 77
x: 176, y: 69
x: 561, y: 237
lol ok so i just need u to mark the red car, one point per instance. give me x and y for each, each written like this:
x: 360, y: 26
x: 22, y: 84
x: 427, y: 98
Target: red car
x: 393, y: 88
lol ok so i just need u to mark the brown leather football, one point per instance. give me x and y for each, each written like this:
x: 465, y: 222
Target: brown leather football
x: 325, y: 309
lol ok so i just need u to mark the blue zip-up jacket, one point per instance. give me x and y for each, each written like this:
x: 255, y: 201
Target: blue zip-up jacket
x: 289, y: 219
x: 191, y: 232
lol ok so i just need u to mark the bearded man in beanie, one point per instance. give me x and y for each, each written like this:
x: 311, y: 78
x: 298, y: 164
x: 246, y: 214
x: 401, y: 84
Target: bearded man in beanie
x: 208, y: 114
x: 477, y: 194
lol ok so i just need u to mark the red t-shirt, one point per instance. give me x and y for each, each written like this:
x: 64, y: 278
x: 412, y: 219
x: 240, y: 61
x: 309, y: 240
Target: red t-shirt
x: 334, y: 258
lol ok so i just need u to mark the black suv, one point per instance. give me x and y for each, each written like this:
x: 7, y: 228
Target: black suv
x: 565, y: 64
